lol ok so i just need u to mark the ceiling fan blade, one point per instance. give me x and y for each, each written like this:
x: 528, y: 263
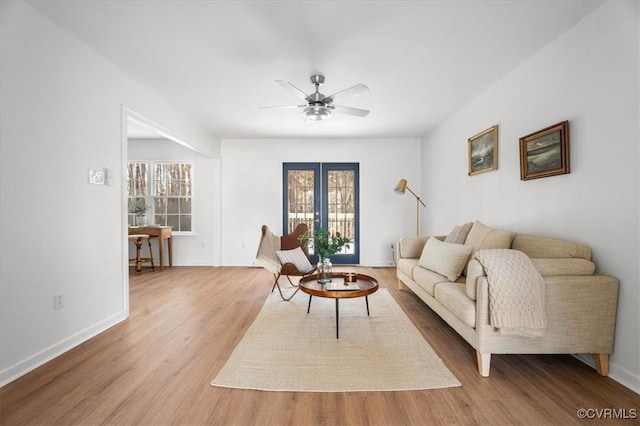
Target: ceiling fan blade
x: 349, y: 110
x: 283, y: 106
x: 352, y: 91
x: 299, y: 93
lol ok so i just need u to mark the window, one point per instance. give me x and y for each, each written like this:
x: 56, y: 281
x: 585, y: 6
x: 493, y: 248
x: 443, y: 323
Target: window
x: 172, y: 197
x: 169, y: 198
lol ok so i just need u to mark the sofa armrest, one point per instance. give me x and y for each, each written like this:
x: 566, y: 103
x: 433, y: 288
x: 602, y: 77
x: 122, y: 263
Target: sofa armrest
x: 475, y: 271
x: 410, y: 247
x: 581, y: 315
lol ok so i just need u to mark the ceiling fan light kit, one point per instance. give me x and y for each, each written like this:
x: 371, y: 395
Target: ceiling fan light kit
x: 316, y: 113
x: 319, y: 107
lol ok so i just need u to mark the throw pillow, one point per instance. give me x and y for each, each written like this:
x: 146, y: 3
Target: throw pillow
x: 459, y: 234
x: 297, y: 257
x: 444, y: 258
x: 481, y: 237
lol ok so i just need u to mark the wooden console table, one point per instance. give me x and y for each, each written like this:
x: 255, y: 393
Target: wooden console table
x: 160, y: 233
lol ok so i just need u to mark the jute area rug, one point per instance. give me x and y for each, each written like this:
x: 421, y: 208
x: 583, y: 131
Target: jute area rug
x: 286, y: 349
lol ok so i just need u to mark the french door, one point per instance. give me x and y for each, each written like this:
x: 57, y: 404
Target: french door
x: 323, y: 195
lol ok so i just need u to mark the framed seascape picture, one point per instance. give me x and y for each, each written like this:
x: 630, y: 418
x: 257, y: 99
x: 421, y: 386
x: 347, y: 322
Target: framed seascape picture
x: 483, y: 151
x: 545, y: 152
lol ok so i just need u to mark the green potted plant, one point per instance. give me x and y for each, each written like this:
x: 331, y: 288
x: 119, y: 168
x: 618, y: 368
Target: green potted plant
x: 138, y: 208
x: 325, y: 245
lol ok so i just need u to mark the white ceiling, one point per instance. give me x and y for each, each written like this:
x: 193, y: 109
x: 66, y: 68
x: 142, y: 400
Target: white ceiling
x: 217, y: 60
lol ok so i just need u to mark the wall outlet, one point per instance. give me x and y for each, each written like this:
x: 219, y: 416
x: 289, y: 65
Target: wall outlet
x: 58, y: 301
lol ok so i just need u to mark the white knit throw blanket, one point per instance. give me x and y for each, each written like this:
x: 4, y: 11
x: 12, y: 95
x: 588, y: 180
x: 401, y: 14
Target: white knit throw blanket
x: 516, y: 292
x: 266, y: 256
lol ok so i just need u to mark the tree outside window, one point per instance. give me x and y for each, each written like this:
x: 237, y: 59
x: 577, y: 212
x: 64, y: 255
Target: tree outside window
x: 137, y: 189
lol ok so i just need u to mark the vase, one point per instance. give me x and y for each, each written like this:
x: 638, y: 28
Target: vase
x: 324, y: 270
x: 139, y: 220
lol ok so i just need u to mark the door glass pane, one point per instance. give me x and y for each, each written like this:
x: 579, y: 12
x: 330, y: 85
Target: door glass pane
x: 340, y: 204
x: 300, y: 202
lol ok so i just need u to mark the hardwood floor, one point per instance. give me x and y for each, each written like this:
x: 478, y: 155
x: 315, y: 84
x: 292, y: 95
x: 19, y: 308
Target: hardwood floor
x: 156, y: 367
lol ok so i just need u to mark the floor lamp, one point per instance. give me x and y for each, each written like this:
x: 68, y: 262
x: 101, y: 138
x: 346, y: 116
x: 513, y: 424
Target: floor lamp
x: 401, y: 187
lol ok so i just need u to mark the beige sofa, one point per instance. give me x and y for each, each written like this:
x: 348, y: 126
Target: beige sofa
x: 580, y: 304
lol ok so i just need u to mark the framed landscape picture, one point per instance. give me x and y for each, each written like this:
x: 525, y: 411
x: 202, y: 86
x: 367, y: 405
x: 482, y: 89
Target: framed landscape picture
x: 483, y: 151
x: 545, y: 152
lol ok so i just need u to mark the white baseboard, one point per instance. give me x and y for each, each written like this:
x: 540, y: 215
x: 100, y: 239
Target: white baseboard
x: 23, y: 367
x: 617, y: 373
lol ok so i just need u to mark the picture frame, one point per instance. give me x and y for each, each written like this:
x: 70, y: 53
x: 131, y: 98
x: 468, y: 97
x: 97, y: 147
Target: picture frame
x: 545, y: 153
x: 483, y: 151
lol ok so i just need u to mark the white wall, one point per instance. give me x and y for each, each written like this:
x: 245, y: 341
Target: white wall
x: 61, y: 114
x: 588, y: 76
x: 252, y: 190
x: 202, y: 246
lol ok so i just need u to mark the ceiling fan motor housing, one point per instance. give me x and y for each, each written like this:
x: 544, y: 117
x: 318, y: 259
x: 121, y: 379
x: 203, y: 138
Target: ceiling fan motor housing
x: 317, y: 79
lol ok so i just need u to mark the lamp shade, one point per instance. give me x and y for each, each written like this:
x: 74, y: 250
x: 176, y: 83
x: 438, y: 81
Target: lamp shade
x: 401, y: 187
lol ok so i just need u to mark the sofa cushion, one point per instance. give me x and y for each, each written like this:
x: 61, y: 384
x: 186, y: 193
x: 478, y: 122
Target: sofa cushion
x: 427, y: 279
x: 297, y: 258
x: 550, y: 267
x: 482, y: 237
x: 406, y: 266
x: 541, y: 247
x: 444, y: 258
x: 459, y: 234
x: 454, y: 297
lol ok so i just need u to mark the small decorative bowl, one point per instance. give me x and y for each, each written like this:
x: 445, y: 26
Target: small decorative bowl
x: 350, y: 277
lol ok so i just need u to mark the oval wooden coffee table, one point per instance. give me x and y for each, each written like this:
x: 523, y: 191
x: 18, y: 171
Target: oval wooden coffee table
x: 366, y: 286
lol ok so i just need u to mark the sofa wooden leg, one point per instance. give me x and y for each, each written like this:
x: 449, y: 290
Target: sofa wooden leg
x: 400, y: 285
x: 484, y: 362
x: 602, y: 364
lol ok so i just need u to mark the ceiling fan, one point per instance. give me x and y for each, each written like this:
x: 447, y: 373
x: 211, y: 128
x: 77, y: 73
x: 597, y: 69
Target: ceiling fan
x: 319, y: 107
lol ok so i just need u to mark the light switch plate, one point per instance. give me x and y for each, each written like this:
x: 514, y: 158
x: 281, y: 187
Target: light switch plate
x: 96, y: 177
